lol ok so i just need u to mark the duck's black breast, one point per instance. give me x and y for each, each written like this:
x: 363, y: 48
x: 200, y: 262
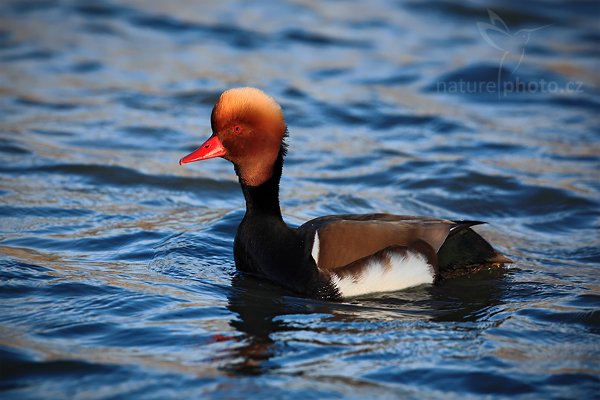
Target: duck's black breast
x: 266, y: 247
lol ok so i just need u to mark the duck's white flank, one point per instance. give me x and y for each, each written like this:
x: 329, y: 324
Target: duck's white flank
x: 410, y: 269
x: 315, y: 248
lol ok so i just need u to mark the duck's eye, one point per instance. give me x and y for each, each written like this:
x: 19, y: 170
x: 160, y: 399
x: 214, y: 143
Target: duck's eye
x: 237, y: 129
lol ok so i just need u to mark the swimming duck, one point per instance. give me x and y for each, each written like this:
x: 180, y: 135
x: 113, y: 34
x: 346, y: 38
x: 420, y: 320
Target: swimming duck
x: 335, y: 256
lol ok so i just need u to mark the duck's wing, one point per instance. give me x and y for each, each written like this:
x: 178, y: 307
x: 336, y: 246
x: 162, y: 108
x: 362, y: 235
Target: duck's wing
x: 338, y: 241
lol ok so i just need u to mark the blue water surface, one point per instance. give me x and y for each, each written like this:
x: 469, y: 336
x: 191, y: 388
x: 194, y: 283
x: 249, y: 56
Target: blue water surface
x: 116, y: 270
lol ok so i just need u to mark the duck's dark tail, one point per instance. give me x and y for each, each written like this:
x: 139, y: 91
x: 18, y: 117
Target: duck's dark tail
x: 460, y: 225
x: 465, y: 251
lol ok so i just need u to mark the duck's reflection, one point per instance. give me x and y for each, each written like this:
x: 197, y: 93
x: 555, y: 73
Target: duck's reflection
x: 257, y: 304
x: 465, y: 299
x: 261, y: 309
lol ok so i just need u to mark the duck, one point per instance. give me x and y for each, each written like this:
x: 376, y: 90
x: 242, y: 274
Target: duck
x: 331, y: 257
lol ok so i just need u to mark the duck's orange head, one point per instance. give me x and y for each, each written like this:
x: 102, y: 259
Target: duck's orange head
x: 247, y: 129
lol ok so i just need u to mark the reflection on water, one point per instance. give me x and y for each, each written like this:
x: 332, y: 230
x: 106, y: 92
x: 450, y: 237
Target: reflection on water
x: 264, y: 312
x: 116, y: 271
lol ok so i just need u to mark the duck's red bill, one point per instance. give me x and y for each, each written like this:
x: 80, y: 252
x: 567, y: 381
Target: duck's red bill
x: 210, y: 149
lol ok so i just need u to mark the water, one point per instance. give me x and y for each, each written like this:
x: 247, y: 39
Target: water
x: 117, y: 276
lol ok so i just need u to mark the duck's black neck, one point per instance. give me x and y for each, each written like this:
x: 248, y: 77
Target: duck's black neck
x: 263, y: 200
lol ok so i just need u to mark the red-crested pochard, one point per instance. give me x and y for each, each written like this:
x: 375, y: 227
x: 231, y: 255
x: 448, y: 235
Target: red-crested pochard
x: 333, y: 256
